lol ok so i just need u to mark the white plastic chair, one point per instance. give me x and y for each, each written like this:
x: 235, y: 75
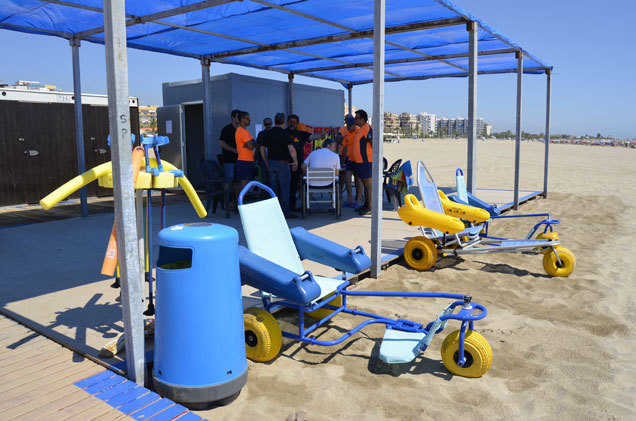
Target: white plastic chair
x: 321, y: 175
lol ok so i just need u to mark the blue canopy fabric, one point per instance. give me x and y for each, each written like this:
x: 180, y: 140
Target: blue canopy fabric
x: 327, y: 39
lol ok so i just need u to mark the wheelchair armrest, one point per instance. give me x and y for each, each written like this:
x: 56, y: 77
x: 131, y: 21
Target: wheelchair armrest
x: 455, y: 198
x: 267, y: 276
x: 318, y: 249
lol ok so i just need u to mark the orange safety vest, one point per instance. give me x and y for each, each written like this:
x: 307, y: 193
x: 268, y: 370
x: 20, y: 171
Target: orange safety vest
x: 348, y: 139
x: 242, y: 136
x: 362, y: 145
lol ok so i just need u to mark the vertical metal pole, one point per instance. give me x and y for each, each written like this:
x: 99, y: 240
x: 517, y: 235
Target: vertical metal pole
x: 207, y: 108
x: 350, y: 103
x: 471, y: 167
x: 125, y: 216
x: 151, y: 261
x: 547, y: 132
x: 79, y: 120
x: 518, y: 129
x: 163, y: 209
x: 290, y: 93
x: 378, y: 134
x: 141, y: 238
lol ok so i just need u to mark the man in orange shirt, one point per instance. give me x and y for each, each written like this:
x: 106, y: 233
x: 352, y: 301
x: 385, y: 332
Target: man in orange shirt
x: 245, y: 146
x: 346, y: 137
x: 363, y: 157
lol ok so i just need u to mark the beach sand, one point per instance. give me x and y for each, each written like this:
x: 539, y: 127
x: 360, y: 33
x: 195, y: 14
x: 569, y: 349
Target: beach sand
x: 563, y: 347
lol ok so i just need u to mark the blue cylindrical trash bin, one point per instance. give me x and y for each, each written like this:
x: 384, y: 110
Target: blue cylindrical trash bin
x: 199, y: 341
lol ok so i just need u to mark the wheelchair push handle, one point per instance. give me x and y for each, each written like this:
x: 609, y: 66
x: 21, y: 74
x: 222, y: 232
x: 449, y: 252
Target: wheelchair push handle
x: 251, y: 185
x: 469, y: 312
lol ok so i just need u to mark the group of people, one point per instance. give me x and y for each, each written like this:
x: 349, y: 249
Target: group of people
x: 279, y: 151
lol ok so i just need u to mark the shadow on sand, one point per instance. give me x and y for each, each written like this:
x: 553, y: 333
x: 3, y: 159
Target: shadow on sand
x: 508, y: 270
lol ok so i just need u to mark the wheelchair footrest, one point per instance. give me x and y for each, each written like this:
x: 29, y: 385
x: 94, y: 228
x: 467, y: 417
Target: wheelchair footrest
x: 399, y: 346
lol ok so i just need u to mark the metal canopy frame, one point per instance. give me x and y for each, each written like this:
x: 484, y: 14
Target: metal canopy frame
x: 293, y: 45
x: 115, y: 23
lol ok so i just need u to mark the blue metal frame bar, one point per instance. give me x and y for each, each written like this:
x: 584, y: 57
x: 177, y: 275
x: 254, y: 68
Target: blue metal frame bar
x: 163, y: 209
x: 510, y: 205
x: 528, y: 215
x: 465, y: 315
x: 249, y: 187
x: 149, y: 251
x: 405, y: 294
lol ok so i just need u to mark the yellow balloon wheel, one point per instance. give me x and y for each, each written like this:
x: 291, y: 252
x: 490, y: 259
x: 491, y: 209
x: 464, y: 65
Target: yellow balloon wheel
x: 263, y: 337
x: 420, y: 253
x: 548, y: 236
x: 553, y: 268
x: 477, y: 352
x: 321, y: 313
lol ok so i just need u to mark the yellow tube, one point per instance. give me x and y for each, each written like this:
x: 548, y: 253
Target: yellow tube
x: 413, y: 213
x: 461, y: 211
x: 94, y: 173
x: 74, y: 184
x: 193, y: 196
x: 186, y: 186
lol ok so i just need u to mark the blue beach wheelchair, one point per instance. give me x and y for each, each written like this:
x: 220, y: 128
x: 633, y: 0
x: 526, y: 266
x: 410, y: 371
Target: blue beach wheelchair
x: 272, y: 263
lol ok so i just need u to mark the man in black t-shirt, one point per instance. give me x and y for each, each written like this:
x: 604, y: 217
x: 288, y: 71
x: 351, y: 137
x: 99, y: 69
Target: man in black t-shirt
x: 267, y: 125
x: 277, y: 151
x: 299, y: 138
x: 228, y: 145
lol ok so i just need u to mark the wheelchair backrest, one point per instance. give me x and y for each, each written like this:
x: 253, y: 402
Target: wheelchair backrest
x: 266, y: 230
x: 460, y: 185
x: 428, y: 189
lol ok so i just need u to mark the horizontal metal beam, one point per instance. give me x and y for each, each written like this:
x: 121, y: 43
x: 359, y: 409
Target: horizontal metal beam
x: 138, y: 20
x: 75, y: 5
x: 154, y: 18
x: 403, y: 60
x: 483, y: 72
x: 351, y: 34
x: 343, y: 37
x: 278, y: 70
x: 216, y: 34
x: 22, y: 28
x: 326, y: 22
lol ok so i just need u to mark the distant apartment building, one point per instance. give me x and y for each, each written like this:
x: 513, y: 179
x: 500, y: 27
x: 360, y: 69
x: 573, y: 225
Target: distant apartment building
x: 428, y: 123
x: 459, y: 127
x: 409, y: 124
x: 30, y: 86
x: 391, y: 123
x: 449, y: 127
x: 148, y: 118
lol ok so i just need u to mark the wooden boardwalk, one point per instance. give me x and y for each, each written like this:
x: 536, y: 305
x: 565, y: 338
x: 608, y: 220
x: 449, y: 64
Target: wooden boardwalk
x: 41, y: 380
x: 37, y: 379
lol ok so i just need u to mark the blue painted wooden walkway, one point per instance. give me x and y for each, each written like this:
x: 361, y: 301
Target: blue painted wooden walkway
x: 41, y: 380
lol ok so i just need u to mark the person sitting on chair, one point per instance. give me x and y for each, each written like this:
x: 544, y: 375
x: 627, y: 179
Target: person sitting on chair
x: 325, y: 157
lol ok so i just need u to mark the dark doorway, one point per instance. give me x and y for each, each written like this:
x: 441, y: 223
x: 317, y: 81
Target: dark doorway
x: 195, y: 149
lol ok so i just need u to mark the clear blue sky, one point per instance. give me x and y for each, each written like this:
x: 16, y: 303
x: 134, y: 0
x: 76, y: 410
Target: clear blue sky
x: 591, y: 44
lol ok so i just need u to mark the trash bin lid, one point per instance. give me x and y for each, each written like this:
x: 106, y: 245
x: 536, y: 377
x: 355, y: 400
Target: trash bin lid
x: 196, y: 234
